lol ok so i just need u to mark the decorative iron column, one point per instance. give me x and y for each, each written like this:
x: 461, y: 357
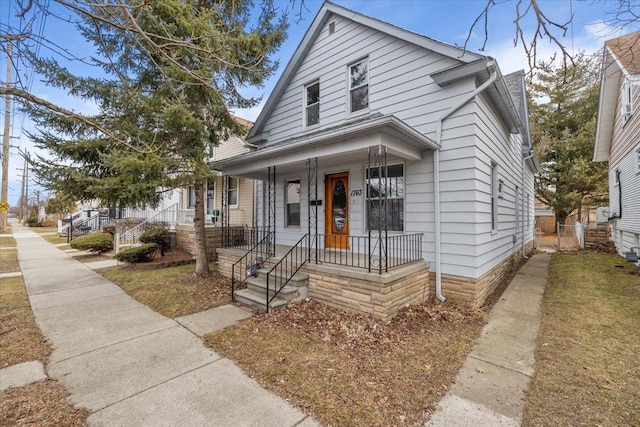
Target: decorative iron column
x: 225, y: 211
x: 271, y: 206
x: 312, y: 208
x: 378, y: 181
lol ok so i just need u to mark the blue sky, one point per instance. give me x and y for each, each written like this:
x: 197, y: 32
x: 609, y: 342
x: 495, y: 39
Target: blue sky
x: 447, y: 21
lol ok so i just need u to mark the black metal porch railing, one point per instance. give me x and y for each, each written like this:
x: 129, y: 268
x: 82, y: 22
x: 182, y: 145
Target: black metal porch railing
x: 243, y: 237
x: 88, y: 225
x: 362, y: 252
x: 282, y: 273
x: 242, y: 269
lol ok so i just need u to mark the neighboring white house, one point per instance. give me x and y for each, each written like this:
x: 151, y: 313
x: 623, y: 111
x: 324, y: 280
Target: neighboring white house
x: 240, y: 191
x: 618, y: 136
x: 373, y: 130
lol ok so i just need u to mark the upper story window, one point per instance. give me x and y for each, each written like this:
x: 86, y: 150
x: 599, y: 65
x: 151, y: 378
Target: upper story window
x: 312, y: 104
x: 627, y: 100
x: 638, y: 160
x: 359, y: 86
x: 211, y: 151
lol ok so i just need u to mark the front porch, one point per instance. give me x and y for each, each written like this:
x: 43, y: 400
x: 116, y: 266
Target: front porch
x: 380, y: 284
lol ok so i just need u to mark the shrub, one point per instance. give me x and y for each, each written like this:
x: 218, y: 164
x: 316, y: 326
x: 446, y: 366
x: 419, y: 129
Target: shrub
x: 33, y: 222
x: 159, y: 236
x: 97, y: 242
x: 144, y: 253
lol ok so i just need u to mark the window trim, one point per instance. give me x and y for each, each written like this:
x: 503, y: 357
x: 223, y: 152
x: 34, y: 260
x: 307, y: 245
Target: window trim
x: 211, y: 186
x: 237, y: 190
x: 191, y: 197
x: 306, y: 105
x: 627, y: 100
x: 404, y: 198
x: 288, y: 181
x: 638, y: 161
x: 350, y: 89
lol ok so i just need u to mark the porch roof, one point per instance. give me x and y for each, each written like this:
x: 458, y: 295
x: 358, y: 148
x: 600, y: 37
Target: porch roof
x: 346, y: 141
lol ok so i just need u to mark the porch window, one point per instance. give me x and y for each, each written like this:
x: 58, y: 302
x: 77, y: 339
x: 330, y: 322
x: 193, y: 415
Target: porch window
x: 312, y: 104
x: 211, y: 196
x: 191, y: 197
x: 359, y: 86
x: 232, y: 192
x: 292, y: 202
x: 494, y: 197
x: 376, y: 186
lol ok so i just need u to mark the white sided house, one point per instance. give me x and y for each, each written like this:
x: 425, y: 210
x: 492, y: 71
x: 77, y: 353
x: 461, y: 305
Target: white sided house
x: 618, y: 137
x: 392, y: 167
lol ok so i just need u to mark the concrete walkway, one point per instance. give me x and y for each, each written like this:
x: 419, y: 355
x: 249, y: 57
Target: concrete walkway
x: 129, y: 365
x: 490, y: 388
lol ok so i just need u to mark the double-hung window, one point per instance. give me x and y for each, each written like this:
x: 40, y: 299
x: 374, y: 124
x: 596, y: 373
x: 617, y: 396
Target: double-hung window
x: 211, y: 196
x: 627, y: 100
x: 232, y: 192
x: 359, y: 86
x: 494, y: 197
x: 389, y: 209
x: 312, y: 104
x: 292, y: 193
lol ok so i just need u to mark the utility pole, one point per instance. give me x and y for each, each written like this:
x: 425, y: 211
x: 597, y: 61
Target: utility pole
x: 5, y: 141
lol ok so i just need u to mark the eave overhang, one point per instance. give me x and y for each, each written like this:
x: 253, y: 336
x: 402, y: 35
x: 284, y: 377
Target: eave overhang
x: 402, y: 141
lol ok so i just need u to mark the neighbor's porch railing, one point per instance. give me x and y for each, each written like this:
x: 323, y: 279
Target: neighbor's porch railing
x: 129, y: 237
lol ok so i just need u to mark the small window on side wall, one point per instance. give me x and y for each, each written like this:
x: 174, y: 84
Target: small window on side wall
x: 494, y: 197
x: 627, y: 101
x: 292, y: 194
x: 312, y: 104
x: 359, y: 86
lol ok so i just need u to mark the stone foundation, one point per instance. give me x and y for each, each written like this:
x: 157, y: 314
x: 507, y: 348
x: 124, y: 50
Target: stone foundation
x: 474, y: 292
x: 380, y: 295
x: 186, y: 239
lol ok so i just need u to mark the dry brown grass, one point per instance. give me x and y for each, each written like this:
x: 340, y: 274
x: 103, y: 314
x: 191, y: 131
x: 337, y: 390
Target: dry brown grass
x: 9, y: 261
x: 352, y: 370
x: 587, y: 353
x: 171, y: 291
x: 40, y: 404
x: 21, y: 339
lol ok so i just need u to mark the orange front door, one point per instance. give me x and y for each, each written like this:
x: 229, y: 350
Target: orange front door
x: 337, y: 210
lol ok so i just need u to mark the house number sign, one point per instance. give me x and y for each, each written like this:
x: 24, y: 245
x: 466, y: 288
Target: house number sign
x: 357, y: 192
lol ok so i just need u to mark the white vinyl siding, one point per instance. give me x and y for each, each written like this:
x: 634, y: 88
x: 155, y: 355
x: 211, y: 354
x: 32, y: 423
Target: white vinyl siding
x: 629, y: 185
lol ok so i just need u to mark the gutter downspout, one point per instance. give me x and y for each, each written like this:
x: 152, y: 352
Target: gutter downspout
x: 491, y: 66
x: 524, y: 160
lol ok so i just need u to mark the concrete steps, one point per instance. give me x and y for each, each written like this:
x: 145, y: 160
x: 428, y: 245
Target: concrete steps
x: 255, y: 294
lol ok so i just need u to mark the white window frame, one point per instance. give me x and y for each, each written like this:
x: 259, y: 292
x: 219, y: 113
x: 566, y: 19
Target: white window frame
x: 404, y: 199
x: 352, y: 89
x: 191, y: 197
x: 210, y: 194
x: 286, y: 202
x: 211, y: 151
x: 638, y: 161
x: 494, y: 198
x: 231, y: 189
x: 307, y: 105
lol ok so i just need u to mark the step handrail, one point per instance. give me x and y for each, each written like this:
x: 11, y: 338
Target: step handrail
x: 251, y: 255
x: 132, y: 234
x: 287, y: 267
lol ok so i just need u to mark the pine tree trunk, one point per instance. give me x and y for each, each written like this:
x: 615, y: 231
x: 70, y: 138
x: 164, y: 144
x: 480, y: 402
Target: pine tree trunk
x: 202, y: 259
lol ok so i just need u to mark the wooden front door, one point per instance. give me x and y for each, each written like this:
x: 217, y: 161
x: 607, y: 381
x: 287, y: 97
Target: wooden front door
x: 337, y: 210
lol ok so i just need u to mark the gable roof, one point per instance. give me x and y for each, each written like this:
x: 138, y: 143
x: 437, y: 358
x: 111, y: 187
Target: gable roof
x: 517, y: 90
x: 324, y: 14
x: 621, y: 56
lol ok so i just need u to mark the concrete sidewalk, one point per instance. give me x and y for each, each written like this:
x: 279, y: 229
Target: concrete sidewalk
x: 129, y: 365
x: 490, y: 388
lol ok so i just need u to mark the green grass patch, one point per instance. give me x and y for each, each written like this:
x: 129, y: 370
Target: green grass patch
x: 587, y: 356
x: 172, y: 291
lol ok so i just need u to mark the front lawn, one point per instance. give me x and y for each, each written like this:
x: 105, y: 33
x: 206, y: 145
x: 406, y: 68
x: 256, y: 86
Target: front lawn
x: 352, y: 370
x: 171, y: 291
x: 588, y: 351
